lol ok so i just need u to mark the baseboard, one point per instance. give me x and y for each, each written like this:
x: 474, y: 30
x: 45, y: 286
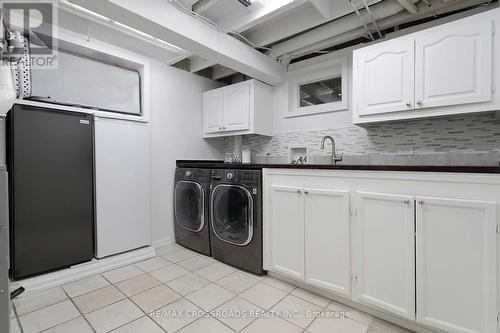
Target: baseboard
x: 411, y: 325
x: 162, y: 242
x: 84, y: 270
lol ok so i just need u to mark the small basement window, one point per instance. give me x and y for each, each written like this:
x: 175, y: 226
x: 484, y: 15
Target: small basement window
x: 87, y: 82
x: 318, y: 88
x: 320, y: 92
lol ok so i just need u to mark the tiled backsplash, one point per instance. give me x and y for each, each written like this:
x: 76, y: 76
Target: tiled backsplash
x: 478, y: 133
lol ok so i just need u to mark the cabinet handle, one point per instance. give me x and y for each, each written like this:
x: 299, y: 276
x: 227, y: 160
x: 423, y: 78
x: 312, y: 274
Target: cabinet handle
x: 408, y: 104
x: 306, y: 192
x: 223, y: 127
x: 421, y: 202
x: 299, y: 191
x: 419, y: 102
x: 407, y: 202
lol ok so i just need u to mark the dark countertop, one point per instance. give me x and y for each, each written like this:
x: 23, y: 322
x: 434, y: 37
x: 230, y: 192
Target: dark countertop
x: 208, y: 164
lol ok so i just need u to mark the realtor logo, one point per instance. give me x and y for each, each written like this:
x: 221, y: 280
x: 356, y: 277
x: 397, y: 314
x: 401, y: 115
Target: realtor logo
x: 31, y: 29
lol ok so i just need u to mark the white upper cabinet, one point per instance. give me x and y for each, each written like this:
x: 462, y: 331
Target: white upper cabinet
x: 456, y: 264
x: 444, y: 70
x: 242, y: 108
x: 453, y: 64
x: 384, y: 252
x: 385, y: 77
x: 213, y: 103
x: 287, y: 230
x: 327, y: 239
x: 236, y: 115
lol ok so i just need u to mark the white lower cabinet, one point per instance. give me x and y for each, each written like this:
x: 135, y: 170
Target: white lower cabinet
x: 384, y: 252
x: 377, y: 239
x: 310, y: 236
x: 327, y: 239
x: 287, y: 231
x: 456, y: 264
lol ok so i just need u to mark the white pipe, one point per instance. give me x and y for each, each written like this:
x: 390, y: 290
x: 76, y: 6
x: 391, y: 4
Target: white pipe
x: 336, y: 27
x: 399, y: 18
x: 348, y: 36
x: 410, y: 6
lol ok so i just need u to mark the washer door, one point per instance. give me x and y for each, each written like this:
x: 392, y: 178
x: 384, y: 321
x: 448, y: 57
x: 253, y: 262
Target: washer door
x: 189, y: 209
x: 232, y: 214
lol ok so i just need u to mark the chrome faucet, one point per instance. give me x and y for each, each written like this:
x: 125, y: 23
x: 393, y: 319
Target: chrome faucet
x: 335, y: 158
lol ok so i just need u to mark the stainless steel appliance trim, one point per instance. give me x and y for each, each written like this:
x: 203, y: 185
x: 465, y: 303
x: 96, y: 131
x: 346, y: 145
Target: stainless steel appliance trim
x: 250, y: 214
x: 200, y: 188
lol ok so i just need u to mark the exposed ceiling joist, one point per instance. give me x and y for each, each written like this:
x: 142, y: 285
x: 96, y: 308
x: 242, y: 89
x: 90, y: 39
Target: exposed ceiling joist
x: 409, y: 6
x: 324, y: 7
x: 439, y: 7
x: 94, y: 26
x: 220, y: 72
x: 302, y: 17
x: 199, y: 63
x: 160, y: 19
x: 252, y: 18
x: 336, y: 27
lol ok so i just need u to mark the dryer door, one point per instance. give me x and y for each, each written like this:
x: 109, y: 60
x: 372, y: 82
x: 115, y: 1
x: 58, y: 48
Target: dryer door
x: 189, y: 209
x: 232, y: 214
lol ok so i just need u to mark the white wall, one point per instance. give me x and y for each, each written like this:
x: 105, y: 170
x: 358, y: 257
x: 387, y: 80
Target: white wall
x: 176, y: 118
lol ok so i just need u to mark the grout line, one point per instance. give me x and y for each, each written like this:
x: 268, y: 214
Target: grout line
x: 16, y: 316
x: 140, y: 309
x: 78, y: 309
x: 227, y: 324
x: 322, y: 310
x: 169, y: 264
x: 43, y: 307
x: 237, y: 296
x: 184, y: 297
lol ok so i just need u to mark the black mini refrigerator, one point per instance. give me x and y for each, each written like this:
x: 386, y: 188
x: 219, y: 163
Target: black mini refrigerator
x: 51, y: 186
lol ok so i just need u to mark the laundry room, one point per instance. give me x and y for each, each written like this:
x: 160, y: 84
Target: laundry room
x: 219, y: 166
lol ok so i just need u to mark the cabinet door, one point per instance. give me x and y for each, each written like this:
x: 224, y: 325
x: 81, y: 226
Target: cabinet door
x: 453, y: 63
x: 213, y: 106
x: 327, y: 240
x: 123, y: 210
x: 384, y: 252
x: 236, y: 107
x: 456, y: 264
x: 384, y: 75
x: 287, y: 231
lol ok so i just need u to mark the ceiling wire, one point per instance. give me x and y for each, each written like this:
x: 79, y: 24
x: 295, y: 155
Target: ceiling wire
x: 215, y: 25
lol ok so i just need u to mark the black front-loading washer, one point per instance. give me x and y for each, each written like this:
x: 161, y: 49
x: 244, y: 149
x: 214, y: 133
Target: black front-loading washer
x: 191, y: 220
x: 236, y: 218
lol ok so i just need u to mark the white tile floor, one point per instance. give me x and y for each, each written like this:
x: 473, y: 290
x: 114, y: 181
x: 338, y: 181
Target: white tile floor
x: 182, y: 291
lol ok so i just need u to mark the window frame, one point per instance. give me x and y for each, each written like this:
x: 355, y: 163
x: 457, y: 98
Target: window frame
x: 324, y: 71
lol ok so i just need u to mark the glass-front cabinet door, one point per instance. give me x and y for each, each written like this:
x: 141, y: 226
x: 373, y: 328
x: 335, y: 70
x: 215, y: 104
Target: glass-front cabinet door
x: 189, y: 205
x: 232, y: 214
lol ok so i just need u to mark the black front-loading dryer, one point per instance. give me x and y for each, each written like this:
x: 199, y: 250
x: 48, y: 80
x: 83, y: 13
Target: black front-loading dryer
x: 191, y: 220
x: 236, y: 218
